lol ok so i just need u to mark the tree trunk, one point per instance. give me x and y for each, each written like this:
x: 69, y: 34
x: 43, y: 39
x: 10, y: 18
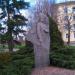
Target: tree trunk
x: 10, y: 40
x: 68, y: 38
x: 68, y: 33
x: 10, y: 46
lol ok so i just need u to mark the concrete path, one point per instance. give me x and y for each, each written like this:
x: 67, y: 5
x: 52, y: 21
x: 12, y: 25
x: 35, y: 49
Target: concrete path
x: 52, y: 71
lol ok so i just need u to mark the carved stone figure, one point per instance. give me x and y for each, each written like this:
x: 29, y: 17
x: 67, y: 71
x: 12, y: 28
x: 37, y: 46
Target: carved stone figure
x: 39, y: 36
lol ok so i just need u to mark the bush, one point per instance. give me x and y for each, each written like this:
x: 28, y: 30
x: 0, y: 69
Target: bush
x: 63, y: 57
x: 17, y: 63
x: 25, y: 50
x: 5, y: 57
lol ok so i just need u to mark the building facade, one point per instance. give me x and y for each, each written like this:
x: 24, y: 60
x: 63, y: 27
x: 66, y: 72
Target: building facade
x: 65, y: 12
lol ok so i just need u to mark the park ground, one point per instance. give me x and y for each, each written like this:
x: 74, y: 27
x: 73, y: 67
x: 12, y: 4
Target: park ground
x: 52, y: 71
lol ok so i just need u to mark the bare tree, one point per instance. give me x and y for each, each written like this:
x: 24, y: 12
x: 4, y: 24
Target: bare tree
x: 68, y: 22
x: 65, y: 20
x: 44, y: 6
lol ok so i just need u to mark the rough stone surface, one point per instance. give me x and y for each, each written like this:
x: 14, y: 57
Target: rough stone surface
x: 39, y: 36
x: 52, y: 71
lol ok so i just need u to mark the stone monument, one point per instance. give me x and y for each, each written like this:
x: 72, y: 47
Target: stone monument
x: 40, y: 38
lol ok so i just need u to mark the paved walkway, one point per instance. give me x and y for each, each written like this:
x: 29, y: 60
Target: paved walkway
x: 52, y: 71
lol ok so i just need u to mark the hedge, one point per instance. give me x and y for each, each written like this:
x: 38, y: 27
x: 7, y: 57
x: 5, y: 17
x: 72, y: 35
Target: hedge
x: 17, y: 63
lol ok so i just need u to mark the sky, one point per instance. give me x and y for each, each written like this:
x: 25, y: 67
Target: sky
x: 34, y: 1
x: 58, y: 1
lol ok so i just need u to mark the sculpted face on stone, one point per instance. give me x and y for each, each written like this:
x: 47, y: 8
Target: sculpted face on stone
x: 43, y: 18
x: 43, y: 30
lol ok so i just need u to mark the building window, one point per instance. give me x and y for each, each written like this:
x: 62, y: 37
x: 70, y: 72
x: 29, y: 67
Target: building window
x: 65, y: 10
x: 66, y: 17
x: 73, y: 9
x: 74, y: 26
x: 74, y: 34
x: 74, y: 17
x: 66, y: 26
x: 66, y: 35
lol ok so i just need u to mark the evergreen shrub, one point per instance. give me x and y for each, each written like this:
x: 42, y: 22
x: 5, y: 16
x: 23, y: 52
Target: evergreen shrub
x: 55, y: 35
x: 63, y: 57
x: 17, y: 63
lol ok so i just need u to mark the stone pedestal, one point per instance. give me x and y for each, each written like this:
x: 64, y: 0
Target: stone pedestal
x: 41, y: 57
